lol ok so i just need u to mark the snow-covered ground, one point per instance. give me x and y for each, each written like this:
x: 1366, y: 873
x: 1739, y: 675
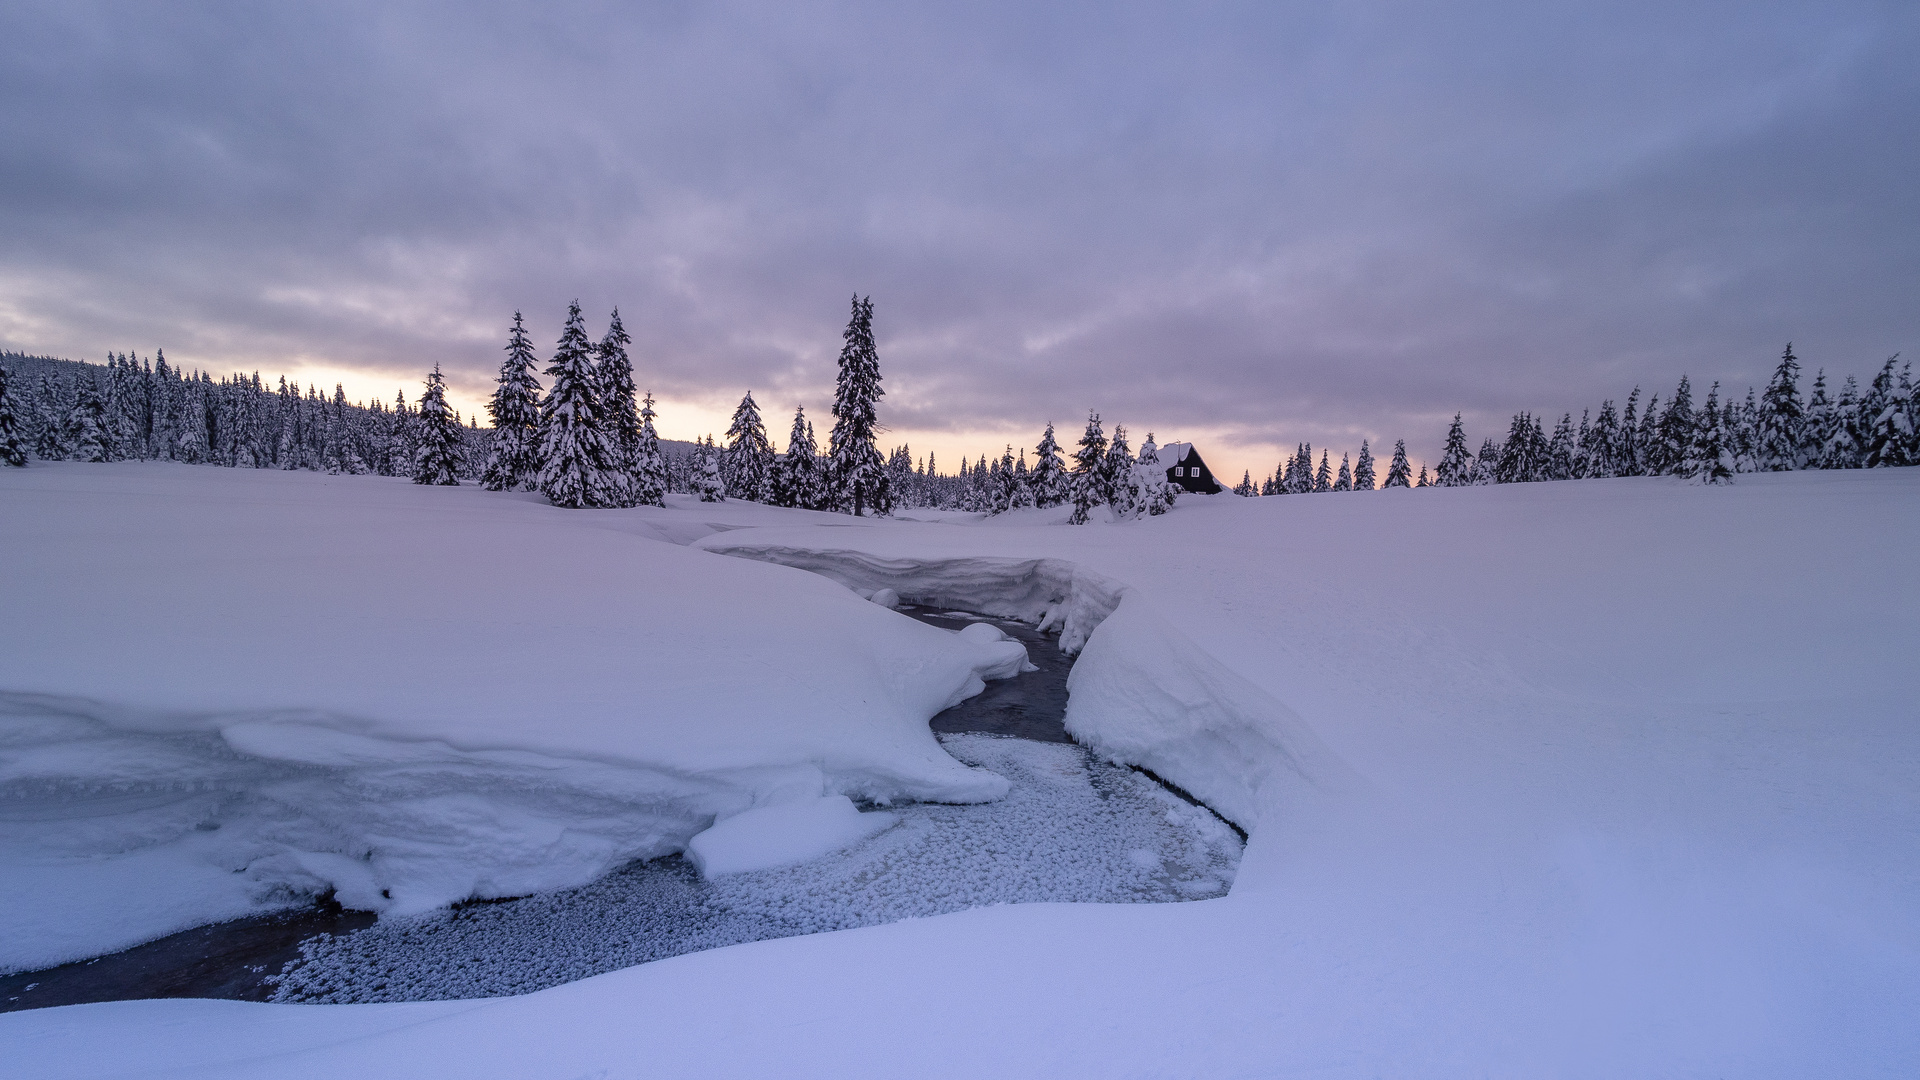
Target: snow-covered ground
x: 1600, y: 778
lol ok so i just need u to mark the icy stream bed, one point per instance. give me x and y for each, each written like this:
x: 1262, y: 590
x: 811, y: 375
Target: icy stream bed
x: 1072, y: 829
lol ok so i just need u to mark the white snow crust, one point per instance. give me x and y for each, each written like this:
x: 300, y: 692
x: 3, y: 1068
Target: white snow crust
x: 224, y: 691
x: 1587, y: 779
x: 782, y: 834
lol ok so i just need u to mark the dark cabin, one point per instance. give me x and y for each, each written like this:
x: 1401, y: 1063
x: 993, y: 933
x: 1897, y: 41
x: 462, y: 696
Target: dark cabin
x: 1185, y: 468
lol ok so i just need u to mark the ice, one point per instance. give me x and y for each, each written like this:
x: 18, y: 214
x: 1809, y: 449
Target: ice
x: 790, y: 832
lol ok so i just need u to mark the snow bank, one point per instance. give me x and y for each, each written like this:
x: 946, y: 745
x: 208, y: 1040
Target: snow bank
x: 226, y: 690
x: 782, y: 834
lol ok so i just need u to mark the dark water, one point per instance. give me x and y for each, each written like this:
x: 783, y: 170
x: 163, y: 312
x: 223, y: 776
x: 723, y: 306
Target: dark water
x: 235, y: 959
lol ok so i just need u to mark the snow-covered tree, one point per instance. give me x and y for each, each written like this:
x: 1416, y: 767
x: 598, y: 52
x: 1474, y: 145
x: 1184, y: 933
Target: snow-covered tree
x: 573, y: 452
x: 1022, y: 483
x: 797, y: 477
x: 1559, y: 459
x: 1845, y: 448
x: 707, y: 481
x: 1523, y: 457
x: 1245, y: 488
x: 1456, y: 461
x: 856, y: 471
x: 438, y: 460
x: 1707, y: 458
x: 86, y: 423
x: 13, y: 448
x: 1399, y: 474
x: 1117, y: 475
x: 1344, y: 481
x: 513, y: 457
x: 1363, y: 469
x: 1089, y: 465
x: 650, y: 480
x: 1049, y: 478
x: 748, y: 465
x: 619, y: 421
x: 1153, y: 493
x: 1885, y: 425
x: 1781, y: 417
x: 1423, y: 481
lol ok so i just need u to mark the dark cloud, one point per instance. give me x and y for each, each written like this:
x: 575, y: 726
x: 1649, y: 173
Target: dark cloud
x: 1262, y: 223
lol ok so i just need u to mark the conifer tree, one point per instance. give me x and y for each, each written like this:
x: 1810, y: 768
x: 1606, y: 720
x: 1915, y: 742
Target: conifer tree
x: 1344, y: 481
x: 1885, y: 426
x: 1023, y: 497
x: 748, y: 466
x: 619, y: 423
x: 1456, y: 461
x: 1244, y: 488
x: 1559, y: 457
x: 650, y: 480
x: 1422, y: 482
x: 1116, y: 475
x: 13, y: 448
x: 86, y: 423
x: 1152, y: 493
x: 1363, y: 469
x: 1486, y: 464
x: 797, y: 477
x: 1707, y: 458
x: 513, y: 457
x: 707, y: 480
x: 1845, y: 448
x: 1323, y: 476
x: 1781, y: 417
x: 1089, y: 462
x: 1049, y: 473
x: 573, y: 449
x: 856, y: 471
x: 1603, y: 443
x: 1399, y: 474
x: 1675, y: 431
x: 50, y: 420
x: 438, y: 459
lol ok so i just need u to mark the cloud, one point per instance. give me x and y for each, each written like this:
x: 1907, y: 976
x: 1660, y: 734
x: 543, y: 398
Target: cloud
x: 1257, y: 222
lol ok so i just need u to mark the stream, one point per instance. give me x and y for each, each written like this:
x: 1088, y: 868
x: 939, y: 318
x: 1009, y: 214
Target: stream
x: 1072, y: 829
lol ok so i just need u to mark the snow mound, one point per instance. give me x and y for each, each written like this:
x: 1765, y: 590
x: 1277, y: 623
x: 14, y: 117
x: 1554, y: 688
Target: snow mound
x: 770, y: 836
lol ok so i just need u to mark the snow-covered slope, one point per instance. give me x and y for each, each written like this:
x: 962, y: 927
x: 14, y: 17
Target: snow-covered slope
x: 222, y: 687
x: 1607, y: 778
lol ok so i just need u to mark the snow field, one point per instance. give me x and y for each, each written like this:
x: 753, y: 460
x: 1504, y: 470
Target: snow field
x: 1071, y: 830
x: 229, y: 689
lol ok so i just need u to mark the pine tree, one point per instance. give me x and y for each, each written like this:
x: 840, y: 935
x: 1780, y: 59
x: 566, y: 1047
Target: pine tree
x: 513, y: 458
x: 1456, y: 461
x: 650, y: 480
x: 1323, y: 476
x: 1244, y: 488
x: 1781, y: 418
x: 1422, y: 482
x: 1675, y: 432
x: 619, y: 423
x: 1885, y: 425
x: 86, y: 423
x: 748, y: 466
x: 1363, y: 469
x: 1707, y: 458
x: 796, y: 479
x: 857, y: 474
x: 1343, y: 482
x: 1844, y: 448
x: 1559, y: 458
x: 1048, y: 481
x: 13, y: 448
x: 1152, y: 493
x: 1486, y: 464
x: 438, y: 460
x: 1603, y: 443
x: 1023, y: 496
x: 1116, y: 476
x: 1523, y: 457
x: 1089, y: 462
x: 1399, y: 474
x: 707, y: 481
x: 573, y: 449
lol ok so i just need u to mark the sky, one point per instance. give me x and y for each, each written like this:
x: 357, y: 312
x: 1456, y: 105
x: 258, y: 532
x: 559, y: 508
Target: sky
x: 1246, y: 225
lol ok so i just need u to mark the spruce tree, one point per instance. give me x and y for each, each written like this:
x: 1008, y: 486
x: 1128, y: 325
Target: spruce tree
x: 1781, y: 417
x: 513, y: 458
x: 1399, y: 474
x: 1089, y: 462
x: 1559, y: 458
x: 1486, y: 464
x: 1603, y: 443
x: 1422, y: 482
x: 13, y: 448
x: 619, y: 422
x: 1049, y: 474
x: 857, y: 473
x: 86, y: 423
x: 1344, y: 481
x: 1707, y: 458
x: 1884, y: 424
x: 1363, y: 469
x: 707, y: 480
x: 796, y: 479
x: 748, y: 466
x: 438, y: 459
x: 1456, y: 461
x: 1023, y: 497
x: 1244, y: 488
x: 573, y: 450
x: 1675, y: 431
x: 650, y: 480
x: 1323, y: 476
x: 1116, y: 476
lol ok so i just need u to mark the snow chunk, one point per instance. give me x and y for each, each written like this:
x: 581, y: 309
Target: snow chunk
x: 771, y: 836
x: 886, y: 598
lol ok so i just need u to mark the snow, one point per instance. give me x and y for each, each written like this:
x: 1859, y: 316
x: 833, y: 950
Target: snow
x: 782, y: 834
x: 226, y: 691
x: 1597, y: 778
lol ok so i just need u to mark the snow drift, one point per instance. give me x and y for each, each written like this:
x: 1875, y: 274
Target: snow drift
x: 226, y: 691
